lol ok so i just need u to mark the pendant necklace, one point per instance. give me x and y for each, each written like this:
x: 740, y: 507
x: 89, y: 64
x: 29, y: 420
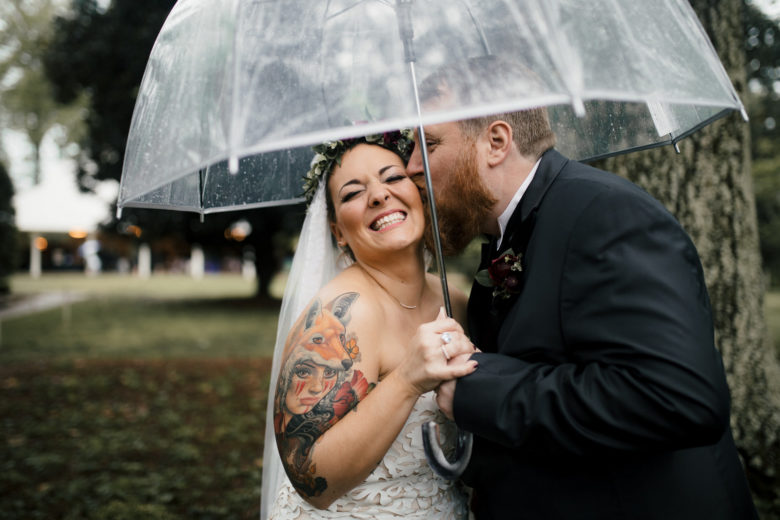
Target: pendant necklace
x: 402, y: 304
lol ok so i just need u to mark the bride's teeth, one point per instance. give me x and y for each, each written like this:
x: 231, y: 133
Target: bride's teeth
x: 387, y: 220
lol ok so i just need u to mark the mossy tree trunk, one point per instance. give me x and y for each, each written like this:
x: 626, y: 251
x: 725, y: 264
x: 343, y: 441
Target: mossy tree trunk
x: 708, y: 187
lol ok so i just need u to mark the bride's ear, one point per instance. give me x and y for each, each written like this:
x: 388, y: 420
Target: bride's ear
x: 334, y: 228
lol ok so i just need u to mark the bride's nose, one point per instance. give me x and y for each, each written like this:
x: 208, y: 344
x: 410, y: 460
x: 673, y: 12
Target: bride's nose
x: 378, y: 195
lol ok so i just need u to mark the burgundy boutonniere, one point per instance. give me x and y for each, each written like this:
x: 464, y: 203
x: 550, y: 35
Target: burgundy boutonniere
x: 503, y: 275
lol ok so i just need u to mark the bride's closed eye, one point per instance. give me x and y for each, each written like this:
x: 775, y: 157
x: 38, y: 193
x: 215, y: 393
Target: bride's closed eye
x: 391, y: 174
x: 396, y: 177
x: 390, y: 178
x: 346, y: 197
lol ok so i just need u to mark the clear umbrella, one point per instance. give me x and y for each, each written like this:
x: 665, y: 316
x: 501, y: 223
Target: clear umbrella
x: 236, y: 90
x: 229, y: 80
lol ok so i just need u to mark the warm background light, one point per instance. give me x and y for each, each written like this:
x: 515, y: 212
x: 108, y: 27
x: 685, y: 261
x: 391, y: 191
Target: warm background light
x: 133, y: 230
x: 77, y: 233
x: 41, y: 243
x: 238, y: 230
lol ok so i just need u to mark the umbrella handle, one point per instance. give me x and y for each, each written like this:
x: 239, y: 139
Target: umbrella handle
x: 436, y: 458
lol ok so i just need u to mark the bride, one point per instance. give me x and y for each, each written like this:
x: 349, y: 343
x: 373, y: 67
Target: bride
x: 353, y: 375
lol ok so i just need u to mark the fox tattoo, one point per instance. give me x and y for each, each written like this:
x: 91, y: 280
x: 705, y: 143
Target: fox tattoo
x: 317, y: 386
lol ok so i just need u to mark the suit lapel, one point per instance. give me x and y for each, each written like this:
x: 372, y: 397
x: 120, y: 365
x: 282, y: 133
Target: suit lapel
x: 480, y: 300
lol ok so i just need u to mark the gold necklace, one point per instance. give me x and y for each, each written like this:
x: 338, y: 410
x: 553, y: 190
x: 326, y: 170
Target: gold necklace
x: 402, y: 304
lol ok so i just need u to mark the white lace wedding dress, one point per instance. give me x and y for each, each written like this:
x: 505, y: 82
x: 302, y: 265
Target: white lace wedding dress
x: 401, y: 486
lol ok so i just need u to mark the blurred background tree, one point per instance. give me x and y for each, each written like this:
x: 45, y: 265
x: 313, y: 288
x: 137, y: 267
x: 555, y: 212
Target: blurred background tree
x: 8, y: 234
x: 26, y: 95
x: 762, y: 44
x: 104, y: 53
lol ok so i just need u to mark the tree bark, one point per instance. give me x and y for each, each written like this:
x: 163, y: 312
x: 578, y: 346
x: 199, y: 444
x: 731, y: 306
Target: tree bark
x: 708, y: 187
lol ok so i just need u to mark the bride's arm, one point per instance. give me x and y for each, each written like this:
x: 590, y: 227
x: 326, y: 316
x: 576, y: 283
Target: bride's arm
x: 327, y: 443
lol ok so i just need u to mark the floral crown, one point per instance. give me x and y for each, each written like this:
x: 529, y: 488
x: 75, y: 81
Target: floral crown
x: 329, y: 153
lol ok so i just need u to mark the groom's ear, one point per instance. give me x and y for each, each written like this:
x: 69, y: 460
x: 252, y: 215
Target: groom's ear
x: 499, y: 136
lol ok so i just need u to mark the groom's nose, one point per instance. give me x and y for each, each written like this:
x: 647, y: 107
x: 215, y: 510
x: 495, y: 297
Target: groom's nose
x: 414, y: 168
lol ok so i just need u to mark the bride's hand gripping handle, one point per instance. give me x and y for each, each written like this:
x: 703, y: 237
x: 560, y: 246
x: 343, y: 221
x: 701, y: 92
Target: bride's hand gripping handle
x: 436, y: 354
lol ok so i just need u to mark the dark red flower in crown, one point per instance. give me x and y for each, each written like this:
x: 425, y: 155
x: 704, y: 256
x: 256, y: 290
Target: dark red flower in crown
x: 503, y: 275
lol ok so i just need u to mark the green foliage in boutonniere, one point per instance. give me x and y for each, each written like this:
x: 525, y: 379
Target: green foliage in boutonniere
x: 503, y: 275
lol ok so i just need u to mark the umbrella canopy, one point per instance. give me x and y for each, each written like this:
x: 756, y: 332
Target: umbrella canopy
x: 235, y: 91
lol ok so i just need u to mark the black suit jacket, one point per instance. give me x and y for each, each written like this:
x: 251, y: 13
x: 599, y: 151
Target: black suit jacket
x: 599, y: 392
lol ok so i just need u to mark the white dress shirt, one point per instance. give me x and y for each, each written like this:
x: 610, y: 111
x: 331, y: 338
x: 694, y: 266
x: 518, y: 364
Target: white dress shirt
x: 503, y: 220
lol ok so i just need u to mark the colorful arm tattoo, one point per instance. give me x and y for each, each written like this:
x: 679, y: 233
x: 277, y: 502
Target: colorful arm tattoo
x: 317, y: 386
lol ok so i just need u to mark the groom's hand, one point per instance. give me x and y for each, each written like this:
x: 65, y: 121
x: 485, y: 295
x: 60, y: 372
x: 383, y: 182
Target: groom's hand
x: 445, y: 392
x: 444, y: 396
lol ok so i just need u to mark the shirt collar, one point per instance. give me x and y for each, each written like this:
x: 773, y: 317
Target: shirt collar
x: 503, y: 220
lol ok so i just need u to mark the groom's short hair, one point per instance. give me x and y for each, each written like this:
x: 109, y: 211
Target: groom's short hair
x: 488, y: 74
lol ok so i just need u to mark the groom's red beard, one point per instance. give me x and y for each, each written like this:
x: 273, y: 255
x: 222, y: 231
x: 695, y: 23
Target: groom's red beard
x: 462, y: 205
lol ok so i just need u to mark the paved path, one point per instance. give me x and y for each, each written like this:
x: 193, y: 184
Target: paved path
x: 13, y: 307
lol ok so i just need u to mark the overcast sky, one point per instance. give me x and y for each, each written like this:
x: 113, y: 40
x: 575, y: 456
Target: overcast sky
x: 770, y: 7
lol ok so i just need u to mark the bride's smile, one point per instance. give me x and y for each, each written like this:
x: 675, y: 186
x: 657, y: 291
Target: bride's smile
x: 387, y: 220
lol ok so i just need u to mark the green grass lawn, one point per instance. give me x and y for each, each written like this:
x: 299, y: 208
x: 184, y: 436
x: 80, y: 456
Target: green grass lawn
x: 163, y: 317
x: 116, y: 285
x: 132, y: 439
x: 110, y: 327
x: 145, y: 400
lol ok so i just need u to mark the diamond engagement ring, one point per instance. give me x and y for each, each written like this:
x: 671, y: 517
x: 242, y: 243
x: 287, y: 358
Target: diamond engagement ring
x: 446, y: 337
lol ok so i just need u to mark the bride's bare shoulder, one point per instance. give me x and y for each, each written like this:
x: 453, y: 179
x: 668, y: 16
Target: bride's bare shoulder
x: 364, y: 312
x: 349, y: 281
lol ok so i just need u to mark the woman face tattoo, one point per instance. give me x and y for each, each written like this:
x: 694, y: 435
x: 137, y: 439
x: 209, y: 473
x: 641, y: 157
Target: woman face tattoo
x: 310, y: 382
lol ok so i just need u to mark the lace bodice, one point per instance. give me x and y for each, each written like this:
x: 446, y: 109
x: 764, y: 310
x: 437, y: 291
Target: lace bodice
x: 402, y: 485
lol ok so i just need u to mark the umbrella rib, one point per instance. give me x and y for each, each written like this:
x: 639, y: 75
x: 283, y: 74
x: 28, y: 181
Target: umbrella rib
x: 232, y: 130
x: 657, y: 103
x: 325, y: 105
x: 478, y: 27
x: 559, y: 58
x: 217, y: 209
x: 334, y: 15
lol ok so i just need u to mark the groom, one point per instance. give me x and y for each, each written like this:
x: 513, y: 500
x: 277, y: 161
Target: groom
x: 599, y: 393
